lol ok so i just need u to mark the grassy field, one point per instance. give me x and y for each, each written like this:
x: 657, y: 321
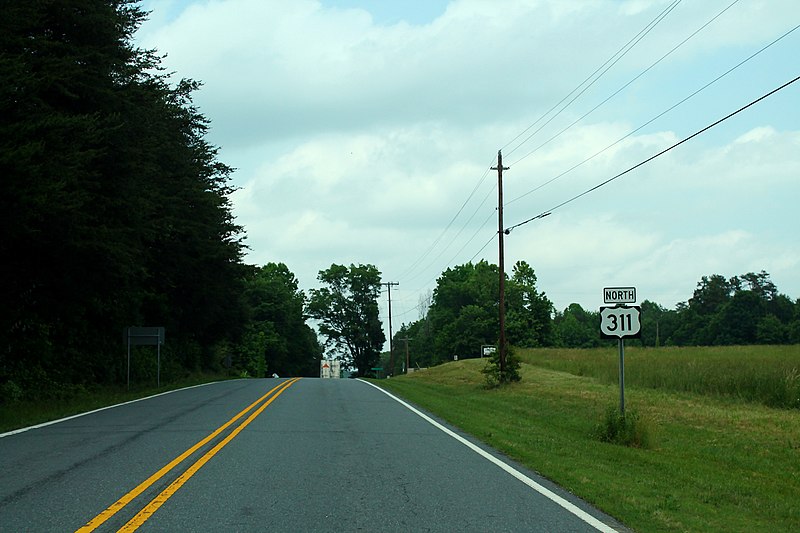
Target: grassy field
x: 769, y: 375
x: 18, y: 414
x: 720, y: 459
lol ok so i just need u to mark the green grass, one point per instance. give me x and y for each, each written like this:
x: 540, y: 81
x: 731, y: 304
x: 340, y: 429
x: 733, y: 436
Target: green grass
x: 769, y: 375
x: 715, y: 462
x: 23, y: 413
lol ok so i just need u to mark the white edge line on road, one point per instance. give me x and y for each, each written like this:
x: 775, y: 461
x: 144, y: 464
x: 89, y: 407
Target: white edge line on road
x: 572, y: 508
x: 50, y: 423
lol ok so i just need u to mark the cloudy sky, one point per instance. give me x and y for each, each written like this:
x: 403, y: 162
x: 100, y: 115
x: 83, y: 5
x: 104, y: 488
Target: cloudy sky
x: 363, y: 132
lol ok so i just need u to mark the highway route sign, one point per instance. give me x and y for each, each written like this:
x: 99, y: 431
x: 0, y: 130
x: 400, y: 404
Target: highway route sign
x: 621, y: 321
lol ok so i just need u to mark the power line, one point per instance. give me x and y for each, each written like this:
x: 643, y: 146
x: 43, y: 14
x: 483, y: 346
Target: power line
x: 662, y: 152
x: 692, y: 95
x: 463, y: 227
x: 483, y: 247
x: 472, y: 238
x: 612, y: 95
x: 619, y: 54
x: 444, y: 231
x: 607, y: 64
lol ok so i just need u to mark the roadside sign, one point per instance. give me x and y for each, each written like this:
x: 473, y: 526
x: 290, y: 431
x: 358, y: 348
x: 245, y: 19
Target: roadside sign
x: 619, y: 295
x: 149, y: 336
x: 330, y: 368
x: 621, y: 321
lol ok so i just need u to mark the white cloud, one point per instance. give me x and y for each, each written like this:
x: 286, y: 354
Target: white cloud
x: 359, y: 141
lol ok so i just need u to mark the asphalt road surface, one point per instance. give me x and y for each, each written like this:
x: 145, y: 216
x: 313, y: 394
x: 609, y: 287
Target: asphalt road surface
x: 271, y: 455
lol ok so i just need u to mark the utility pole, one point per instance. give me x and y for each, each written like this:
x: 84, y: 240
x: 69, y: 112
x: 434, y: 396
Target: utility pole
x: 391, y: 348
x: 407, y: 360
x: 501, y: 259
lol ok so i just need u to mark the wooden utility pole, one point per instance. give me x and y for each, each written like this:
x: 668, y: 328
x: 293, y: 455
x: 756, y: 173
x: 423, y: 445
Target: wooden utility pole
x: 391, y: 347
x: 407, y: 359
x: 501, y: 259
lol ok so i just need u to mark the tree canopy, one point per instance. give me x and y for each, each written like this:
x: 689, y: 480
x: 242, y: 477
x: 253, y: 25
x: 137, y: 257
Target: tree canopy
x: 463, y: 314
x: 347, y: 310
x: 115, y: 211
x: 277, y: 338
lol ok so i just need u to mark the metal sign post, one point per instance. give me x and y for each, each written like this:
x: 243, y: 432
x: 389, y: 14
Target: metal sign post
x: 621, y: 322
x: 150, y: 336
x: 622, y: 377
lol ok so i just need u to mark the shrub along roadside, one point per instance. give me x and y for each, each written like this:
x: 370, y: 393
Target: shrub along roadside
x: 627, y: 430
x: 715, y: 464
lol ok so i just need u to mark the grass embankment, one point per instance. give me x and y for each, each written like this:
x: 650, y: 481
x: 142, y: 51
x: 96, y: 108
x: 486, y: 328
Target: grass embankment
x: 718, y: 461
x: 24, y: 413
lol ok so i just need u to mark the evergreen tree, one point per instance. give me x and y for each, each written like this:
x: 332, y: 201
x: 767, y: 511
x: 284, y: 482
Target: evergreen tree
x: 114, y: 210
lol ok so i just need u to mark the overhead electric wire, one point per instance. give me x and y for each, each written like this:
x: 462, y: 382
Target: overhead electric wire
x: 662, y: 152
x: 472, y: 238
x: 682, y: 101
x: 618, y: 55
x: 612, y: 95
x: 491, y: 215
x: 613, y: 60
x: 444, y: 231
x: 458, y: 253
x: 483, y: 247
x: 463, y: 227
x: 628, y: 45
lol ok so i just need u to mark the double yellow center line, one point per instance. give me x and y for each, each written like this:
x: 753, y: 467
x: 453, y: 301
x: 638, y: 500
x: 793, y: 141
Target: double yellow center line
x: 142, y: 516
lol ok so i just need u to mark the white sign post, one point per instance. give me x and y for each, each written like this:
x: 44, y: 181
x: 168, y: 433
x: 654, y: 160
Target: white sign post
x: 620, y: 322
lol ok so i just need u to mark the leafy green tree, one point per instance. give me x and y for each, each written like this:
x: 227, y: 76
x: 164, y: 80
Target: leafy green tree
x: 711, y: 294
x: 658, y: 324
x: 464, y: 314
x: 277, y: 331
x: 529, y: 315
x: 347, y: 309
x: 793, y: 332
x: 737, y: 321
x: 743, y: 310
x: 770, y: 330
x: 577, y: 328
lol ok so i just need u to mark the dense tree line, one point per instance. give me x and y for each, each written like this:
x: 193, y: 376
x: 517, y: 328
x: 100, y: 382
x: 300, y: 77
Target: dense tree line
x: 462, y: 315
x: 745, y: 309
x: 114, y: 211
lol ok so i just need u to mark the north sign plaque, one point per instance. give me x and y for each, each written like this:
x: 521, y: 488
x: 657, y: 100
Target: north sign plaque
x: 619, y: 295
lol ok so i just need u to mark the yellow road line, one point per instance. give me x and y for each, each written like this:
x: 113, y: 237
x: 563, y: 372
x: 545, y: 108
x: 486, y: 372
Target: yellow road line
x: 115, y: 507
x: 143, y: 515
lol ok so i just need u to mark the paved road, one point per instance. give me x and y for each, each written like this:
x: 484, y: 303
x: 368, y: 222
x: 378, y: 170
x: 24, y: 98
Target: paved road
x: 317, y: 455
